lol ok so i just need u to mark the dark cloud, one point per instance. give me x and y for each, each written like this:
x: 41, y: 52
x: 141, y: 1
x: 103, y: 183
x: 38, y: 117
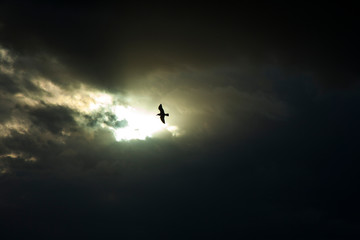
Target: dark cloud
x: 295, y: 174
x: 5, y: 108
x: 111, y: 43
x: 52, y: 118
x: 7, y: 84
x: 76, y: 35
x: 105, y: 117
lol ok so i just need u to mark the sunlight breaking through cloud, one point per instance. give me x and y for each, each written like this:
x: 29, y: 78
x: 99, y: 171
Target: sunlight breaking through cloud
x: 102, y: 110
x: 36, y: 103
x: 126, y: 122
x: 140, y: 124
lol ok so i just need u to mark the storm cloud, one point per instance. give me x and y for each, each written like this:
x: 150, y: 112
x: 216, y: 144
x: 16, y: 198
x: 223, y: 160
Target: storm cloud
x: 125, y: 40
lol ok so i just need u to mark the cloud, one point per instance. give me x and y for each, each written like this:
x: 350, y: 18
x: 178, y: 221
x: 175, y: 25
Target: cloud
x: 118, y: 42
x: 5, y: 108
x: 53, y: 118
x: 43, y: 118
x: 67, y: 127
x: 105, y: 117
x: 6, y: 61
x: 252, y: 144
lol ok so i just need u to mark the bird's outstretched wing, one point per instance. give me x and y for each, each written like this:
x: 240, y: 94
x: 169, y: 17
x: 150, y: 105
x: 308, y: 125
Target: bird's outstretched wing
x: 162, y: 117
x: 161, y: 109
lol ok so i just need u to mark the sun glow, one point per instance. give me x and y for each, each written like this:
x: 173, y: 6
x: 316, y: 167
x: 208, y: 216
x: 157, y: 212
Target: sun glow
x: 140, y: 125
x: 133, y: 123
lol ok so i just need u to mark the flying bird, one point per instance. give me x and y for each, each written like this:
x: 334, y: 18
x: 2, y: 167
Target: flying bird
x: 162, y: 114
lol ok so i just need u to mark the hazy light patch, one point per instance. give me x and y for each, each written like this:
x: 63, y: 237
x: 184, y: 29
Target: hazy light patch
x: 47, y: 85
x: 18, y: 155
x: 99, y: 100
x: 15, y: 124
x: 175, y: 131
x: 20, y: 97
x: 13, y: 156
x: 82, y: 99
x: 6, y: 61
x: 4, y: 170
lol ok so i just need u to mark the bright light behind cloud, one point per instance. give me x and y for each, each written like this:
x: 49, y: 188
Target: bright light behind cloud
x: 93, y: 109
x: 138, y: 124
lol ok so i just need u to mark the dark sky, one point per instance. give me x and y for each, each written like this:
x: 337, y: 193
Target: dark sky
x: 261, y: 141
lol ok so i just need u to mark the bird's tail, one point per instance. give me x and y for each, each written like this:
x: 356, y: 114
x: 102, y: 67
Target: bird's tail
x: 166, y: 114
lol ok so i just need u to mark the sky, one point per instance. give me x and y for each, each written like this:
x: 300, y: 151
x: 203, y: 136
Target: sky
x: 261, y: 141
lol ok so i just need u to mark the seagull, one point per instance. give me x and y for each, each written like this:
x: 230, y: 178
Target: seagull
x: 162, y: 114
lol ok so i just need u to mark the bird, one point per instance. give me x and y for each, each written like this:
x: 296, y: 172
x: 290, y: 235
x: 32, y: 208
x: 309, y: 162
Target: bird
x: 162, y: 114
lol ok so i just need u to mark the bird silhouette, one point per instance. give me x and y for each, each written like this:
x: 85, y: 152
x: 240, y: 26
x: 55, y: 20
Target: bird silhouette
x: 162, y: 114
